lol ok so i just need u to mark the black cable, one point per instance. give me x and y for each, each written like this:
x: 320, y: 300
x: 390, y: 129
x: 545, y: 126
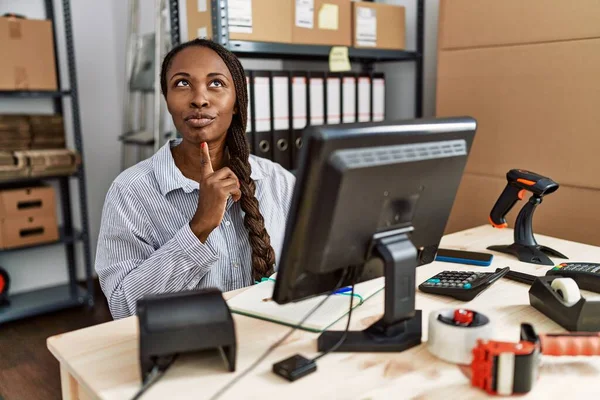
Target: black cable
x: 154, y: 376
x: 276, y: 344
x: 344, y: 336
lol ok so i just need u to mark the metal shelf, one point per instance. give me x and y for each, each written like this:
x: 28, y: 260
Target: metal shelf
x: 41, y: 301
x: 314, y: 52
x: 62, y: 239
x: 28, y: 94
x: 34, y: 179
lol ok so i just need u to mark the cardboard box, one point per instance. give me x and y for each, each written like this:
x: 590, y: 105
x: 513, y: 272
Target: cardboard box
x: 27, y: 202
x: 536, y: 107
x: 53, y: 162
x: 255, y: 20
x: 380, y: 26
x: 27, y: 231
x: 28, y: 59
x: 569, y: 213
x: 483, y: 23
x: 12, y: 167
x: 322, y: 22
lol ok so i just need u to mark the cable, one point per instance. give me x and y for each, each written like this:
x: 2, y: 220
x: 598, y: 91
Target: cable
x: 276, y: 344
x: 343, y: 338
x: 154, y: 376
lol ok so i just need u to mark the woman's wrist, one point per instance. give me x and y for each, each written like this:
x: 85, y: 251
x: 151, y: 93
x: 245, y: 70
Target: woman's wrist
x: 200, y: 229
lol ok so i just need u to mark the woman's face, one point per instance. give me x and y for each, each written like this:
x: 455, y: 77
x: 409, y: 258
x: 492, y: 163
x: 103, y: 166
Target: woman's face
x: 201, y: 95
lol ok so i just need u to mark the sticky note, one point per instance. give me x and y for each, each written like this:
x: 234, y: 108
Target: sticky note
x: 338, y: 59
x: 328, y: 16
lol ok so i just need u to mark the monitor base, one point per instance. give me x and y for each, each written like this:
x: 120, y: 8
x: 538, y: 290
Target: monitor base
x: 376, y: 338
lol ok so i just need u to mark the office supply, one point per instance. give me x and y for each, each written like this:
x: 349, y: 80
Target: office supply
x: 364, y: 98
x: 338, y: 59
x: 175, y: 323
x: 525, y: 247
x: 299, y: 111
x: 263, y: 135
x: 102, y: 361
x: 427, y: 158
x: 452, y: 333
x: 505, y: 368
x: 378, y: 87
x: 565, y: 306
x: 348, y: 98
x: 464, y: 257
x: 280, y: 104
x: 461, y: 285
x: 334, y: 99
x: 316, y: 91
x: 257, y: 302
x: 585, y: 275
x: 4, y: 287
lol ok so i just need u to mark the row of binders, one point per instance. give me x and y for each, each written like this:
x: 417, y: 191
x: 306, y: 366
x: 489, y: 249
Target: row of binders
x: 283, y: 103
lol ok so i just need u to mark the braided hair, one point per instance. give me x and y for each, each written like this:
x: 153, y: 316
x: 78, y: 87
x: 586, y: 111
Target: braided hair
x: 263, y: 255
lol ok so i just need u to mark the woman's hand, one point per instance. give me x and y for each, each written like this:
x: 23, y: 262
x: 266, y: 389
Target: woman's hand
x: 215, y: 189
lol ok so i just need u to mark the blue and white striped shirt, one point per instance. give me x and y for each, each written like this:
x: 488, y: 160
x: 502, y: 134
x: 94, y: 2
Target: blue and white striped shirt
x: 146, y: 244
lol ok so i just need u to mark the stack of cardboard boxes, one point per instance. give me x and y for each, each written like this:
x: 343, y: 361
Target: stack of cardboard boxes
x: 316, y: 22
x: 528, y: 72
x: 27, y: 217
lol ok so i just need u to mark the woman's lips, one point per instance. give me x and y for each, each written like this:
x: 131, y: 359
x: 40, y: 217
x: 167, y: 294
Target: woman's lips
x: 199, y: 122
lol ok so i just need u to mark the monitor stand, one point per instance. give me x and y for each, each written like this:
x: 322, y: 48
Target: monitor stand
x: 400, y: 327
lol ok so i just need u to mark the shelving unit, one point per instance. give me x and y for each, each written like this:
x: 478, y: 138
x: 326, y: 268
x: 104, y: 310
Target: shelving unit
x: 58, y: 297
x: 366, y: 57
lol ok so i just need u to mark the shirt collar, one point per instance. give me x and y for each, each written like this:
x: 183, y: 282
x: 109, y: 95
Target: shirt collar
x: 170, y: 178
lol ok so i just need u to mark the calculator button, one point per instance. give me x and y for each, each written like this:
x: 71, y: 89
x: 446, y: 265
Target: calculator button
x: 433, y: 280
x: 467, y: 286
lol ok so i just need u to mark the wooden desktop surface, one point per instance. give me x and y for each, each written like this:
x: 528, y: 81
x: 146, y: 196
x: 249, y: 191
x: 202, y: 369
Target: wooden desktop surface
x: 101, y: 362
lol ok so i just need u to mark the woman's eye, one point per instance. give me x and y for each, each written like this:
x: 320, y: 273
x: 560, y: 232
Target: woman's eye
x: 216, y: 83
x: 182, y: 83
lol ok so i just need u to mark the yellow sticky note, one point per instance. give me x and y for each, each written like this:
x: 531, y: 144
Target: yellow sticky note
x: 338, y: 59
x: 328, y: 16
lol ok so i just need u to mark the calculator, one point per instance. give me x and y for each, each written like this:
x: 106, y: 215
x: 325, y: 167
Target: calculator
x: 461, y: 285
x: 586, y: 275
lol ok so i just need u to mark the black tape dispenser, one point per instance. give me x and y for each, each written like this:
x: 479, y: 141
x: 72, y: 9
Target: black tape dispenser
x: 525, y: 247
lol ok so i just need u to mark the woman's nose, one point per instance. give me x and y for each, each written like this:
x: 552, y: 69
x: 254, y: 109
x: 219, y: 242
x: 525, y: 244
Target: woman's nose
x: 200, y: 98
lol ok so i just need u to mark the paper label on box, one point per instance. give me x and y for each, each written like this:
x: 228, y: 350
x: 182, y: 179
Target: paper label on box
x: 202, y: 7
x: 240, y: 16
x: 329, y: 16
x: 305, y: 13
x: 202, y: 33
x: 366, y: 26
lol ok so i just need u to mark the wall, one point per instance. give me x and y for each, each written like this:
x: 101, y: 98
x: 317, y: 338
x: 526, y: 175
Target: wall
x: 100, y: 32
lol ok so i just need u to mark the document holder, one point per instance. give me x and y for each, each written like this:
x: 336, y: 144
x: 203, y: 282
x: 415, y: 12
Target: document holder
x: 176, y: 323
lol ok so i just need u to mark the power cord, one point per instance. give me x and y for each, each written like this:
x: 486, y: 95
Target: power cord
x: 157, y: 372
x: 276, y: 344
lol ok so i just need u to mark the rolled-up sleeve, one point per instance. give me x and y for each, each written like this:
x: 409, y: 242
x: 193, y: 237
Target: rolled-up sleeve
x: 129, y: 264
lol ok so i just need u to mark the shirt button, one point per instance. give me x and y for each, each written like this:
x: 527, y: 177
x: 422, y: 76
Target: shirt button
x: 227, y: 223
x: 236, y: 264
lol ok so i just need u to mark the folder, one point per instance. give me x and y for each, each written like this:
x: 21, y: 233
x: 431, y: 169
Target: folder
x: 256, y: 302
x: 348, y: 98
x: 282, y: 136
x: 364, y: 98
x: 316, y: 90
x: 378, y: 97
x: 299, y: 111
x: 263, y: 138
x: 250, y: 117
x: 333, y: 96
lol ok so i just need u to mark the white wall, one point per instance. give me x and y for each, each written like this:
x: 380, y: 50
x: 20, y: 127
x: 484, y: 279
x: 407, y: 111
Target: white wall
x: 100, y: 32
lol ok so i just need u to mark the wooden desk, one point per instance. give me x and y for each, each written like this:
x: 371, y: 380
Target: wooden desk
x: 102, y: 361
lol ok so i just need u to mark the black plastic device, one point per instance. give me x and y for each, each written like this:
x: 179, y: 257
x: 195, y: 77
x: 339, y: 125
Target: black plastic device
x: 464, y: 257
x: 175, y: 323
x: 586, y: 275
x: 350, y: 222
x: 461, y: 285
x: 295, y: 367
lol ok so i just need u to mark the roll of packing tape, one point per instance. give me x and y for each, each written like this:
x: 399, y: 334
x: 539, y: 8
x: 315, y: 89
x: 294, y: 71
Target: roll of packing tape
x: 453, y: 333
x: 567, y: 289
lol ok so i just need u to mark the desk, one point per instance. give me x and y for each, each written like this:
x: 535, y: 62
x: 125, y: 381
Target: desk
x: 102, y: 361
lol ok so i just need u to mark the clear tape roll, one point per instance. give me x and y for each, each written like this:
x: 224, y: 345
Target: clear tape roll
x: 455, y: 343
x: 567, y: 289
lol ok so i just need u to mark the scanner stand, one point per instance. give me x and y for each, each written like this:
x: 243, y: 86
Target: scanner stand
x: 400, y: 327
x: 525, y: 247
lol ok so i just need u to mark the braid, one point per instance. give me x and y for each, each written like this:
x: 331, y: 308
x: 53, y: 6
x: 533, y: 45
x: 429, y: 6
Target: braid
x: 263, y: 255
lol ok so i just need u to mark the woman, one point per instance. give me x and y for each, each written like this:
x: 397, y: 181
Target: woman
x: 201, y: 212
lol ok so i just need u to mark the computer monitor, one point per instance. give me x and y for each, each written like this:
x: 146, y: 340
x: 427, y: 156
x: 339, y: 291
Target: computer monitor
x: 372, y: 200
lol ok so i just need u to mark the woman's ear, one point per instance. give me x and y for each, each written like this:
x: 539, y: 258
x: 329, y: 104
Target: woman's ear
x: 235, y: 109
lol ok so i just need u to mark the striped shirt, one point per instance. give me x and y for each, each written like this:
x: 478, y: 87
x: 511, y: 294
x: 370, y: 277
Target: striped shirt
x: 146, y: 244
